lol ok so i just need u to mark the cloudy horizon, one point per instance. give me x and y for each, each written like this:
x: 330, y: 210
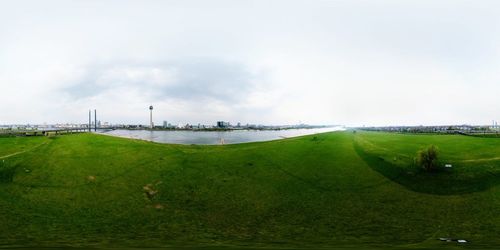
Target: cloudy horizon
x: 354, y: 63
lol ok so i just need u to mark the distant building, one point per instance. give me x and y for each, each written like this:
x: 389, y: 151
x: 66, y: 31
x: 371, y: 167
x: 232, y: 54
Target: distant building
x: 222, y: 124
x: 165, y: 124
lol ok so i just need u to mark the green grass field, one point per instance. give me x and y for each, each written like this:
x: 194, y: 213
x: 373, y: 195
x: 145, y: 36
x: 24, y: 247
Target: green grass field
x: 335, y: 190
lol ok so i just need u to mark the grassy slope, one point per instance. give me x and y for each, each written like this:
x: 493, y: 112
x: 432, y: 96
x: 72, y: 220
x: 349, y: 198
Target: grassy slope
x: 12, y: 145
x: 315, y: 190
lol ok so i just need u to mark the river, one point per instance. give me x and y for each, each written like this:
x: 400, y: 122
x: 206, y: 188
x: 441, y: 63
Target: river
x: 216, y: 137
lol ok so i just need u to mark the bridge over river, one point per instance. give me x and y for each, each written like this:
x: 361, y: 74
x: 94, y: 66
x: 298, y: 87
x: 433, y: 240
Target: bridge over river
x: 41, y: 131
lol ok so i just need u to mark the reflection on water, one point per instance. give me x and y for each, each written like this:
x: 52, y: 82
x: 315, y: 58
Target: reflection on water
x: 216, y: 137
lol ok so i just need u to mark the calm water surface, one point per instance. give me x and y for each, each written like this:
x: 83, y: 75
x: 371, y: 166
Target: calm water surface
x: 216, y: 137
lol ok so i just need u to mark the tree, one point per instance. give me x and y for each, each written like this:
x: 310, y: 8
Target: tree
x: 428, y: 158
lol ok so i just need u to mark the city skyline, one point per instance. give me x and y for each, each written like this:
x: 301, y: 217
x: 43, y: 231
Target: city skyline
x: 286, y: 62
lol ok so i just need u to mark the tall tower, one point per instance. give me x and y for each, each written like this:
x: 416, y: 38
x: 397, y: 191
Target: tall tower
x: 151, y: 117
x: 95, y: 120
x: 90, y: 122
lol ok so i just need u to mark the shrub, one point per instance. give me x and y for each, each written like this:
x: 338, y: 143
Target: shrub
x: 51, y: 135
x: 428, y: 158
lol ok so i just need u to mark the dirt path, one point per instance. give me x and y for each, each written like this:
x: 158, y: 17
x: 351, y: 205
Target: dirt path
x: 22, y: 152
x: 482, y: 159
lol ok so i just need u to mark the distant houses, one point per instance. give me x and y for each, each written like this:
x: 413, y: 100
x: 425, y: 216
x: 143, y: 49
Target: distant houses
x: 447, y: 129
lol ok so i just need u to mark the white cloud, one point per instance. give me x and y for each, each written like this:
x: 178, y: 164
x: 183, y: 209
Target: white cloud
x: 349, y: 62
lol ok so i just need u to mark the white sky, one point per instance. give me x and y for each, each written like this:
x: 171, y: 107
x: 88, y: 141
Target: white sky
x: 268, y: 62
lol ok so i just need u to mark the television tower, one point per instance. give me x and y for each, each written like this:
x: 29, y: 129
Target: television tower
x: 151, y: 116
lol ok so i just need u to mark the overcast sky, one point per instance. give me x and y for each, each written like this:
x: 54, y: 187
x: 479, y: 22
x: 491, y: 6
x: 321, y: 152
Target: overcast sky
x: 268, y: 62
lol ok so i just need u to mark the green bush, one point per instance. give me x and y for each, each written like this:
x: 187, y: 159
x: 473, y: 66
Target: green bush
x: 428, y: 158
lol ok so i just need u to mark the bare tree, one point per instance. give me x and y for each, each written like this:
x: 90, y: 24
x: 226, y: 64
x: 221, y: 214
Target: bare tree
x: 428, y: 158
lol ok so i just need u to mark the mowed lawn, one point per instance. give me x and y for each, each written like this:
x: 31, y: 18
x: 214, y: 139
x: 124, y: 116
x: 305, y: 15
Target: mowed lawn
x: 341, y: 189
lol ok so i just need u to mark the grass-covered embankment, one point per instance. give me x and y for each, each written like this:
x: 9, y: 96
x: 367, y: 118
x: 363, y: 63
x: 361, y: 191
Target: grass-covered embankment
x: 334, y: 189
